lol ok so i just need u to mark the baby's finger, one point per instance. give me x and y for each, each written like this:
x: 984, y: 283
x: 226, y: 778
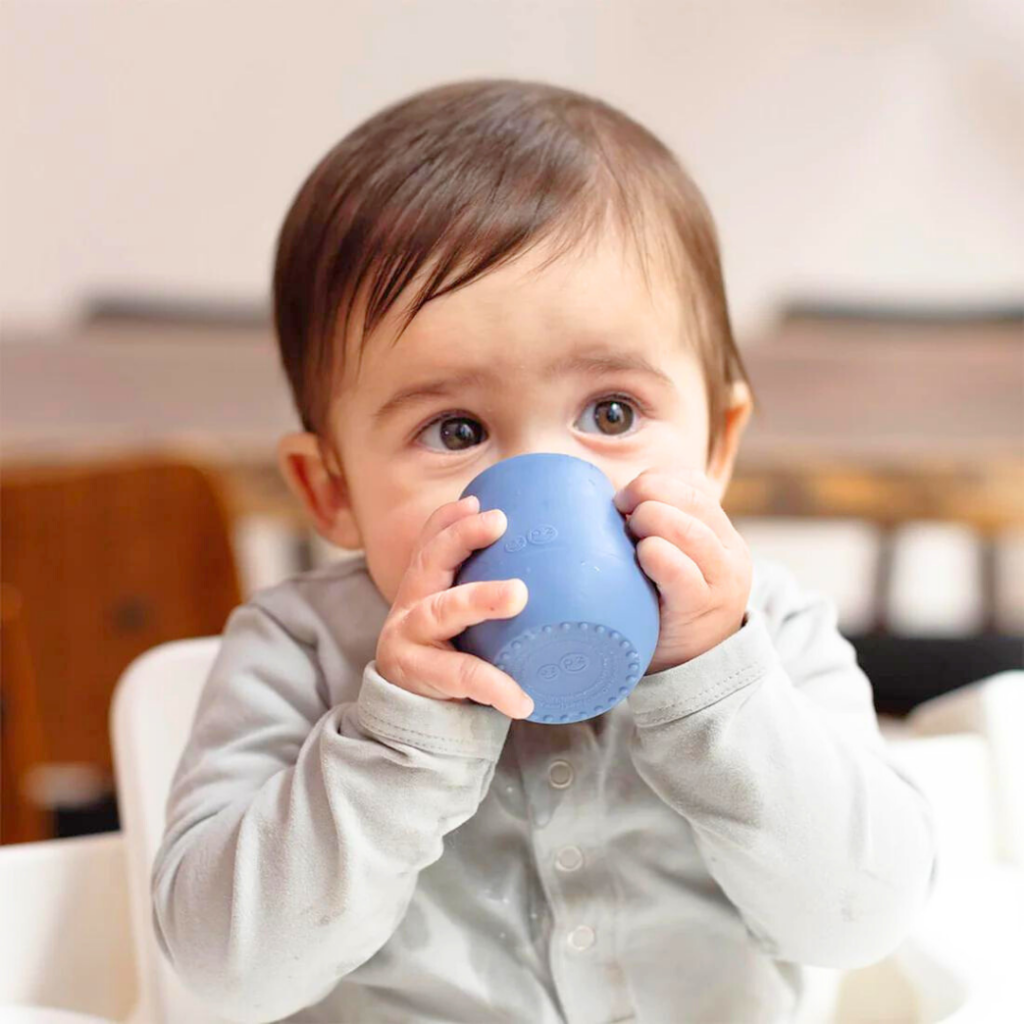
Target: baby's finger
x: 447, y: 613
x: 435, y: 563
x: 676, y: 575
x: 690, y: 534
x: 444, y: 515
x: 685, y: 494
x: 460, y: 675
x: 413, y: 586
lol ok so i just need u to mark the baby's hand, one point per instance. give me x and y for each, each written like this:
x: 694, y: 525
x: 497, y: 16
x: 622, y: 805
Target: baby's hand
x: 700, y: 564
x: 414, y: 649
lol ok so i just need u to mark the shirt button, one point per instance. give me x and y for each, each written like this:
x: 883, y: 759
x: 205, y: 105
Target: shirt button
x: 560, y: 774
x: 569, y: 858
x: 581, y: 937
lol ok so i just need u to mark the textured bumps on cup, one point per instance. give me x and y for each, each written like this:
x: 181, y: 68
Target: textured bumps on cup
x: 590, y: 625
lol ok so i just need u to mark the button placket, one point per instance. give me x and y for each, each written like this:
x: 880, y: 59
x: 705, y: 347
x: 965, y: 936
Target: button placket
x: 569, y: 863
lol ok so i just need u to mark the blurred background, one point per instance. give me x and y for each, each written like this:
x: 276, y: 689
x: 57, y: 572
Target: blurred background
x: 864, y: 162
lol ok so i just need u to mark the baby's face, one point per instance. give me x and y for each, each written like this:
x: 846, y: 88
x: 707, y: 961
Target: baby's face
x: 578, y: 358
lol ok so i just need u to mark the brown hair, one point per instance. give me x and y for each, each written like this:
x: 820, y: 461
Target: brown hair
x: 456, y: 180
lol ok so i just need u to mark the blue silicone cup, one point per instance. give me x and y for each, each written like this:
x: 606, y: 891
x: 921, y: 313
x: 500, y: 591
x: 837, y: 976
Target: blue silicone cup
x: 590, y: 625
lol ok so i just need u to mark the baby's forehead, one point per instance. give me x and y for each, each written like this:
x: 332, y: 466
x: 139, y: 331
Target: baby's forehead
x: 565, y: 308
x: 591, y: 310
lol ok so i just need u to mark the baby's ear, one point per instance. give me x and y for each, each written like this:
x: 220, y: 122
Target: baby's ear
x: 737, y: 414
x: 320, y: 488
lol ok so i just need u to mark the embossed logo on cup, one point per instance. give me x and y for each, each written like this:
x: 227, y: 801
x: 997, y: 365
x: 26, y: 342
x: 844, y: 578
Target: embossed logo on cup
x: 514, y: 544
x: 548, y: 672
x: 575, y: 662
x: 543, y: 534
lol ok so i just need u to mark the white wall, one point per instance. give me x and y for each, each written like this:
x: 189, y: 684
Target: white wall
x: 871, y: 148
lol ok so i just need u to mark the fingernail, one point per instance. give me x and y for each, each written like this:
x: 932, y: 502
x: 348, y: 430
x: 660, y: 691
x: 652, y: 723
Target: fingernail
x: 526, y: 707
x: 472, y: 501
x: 495, y: 516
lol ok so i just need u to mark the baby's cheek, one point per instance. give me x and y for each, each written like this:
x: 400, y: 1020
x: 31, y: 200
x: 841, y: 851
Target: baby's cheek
x: 391, y: 542
x: 387, y: 563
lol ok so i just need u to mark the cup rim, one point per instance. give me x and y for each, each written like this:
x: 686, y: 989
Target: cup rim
x: 530, y: 455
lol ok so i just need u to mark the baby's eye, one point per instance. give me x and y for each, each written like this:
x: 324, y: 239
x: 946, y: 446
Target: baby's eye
x: 613, y: 415
x: 454, y: 433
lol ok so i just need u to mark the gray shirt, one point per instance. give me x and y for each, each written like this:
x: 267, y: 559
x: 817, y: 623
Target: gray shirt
x: 340, y: 850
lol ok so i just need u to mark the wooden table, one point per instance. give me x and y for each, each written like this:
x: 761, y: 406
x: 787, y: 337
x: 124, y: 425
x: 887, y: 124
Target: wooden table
x: 882, y: 422
x: 887, y: 423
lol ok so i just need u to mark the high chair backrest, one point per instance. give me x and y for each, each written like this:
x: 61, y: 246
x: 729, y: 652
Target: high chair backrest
x: 151, y: 715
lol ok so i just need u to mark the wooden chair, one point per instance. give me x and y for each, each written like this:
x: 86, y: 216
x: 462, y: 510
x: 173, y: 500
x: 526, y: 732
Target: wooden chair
x: 21, y: 732
x: 108, y: 560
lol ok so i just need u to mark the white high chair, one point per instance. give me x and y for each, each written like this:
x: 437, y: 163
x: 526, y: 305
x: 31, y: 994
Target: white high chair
x: 65, y: 933
x: 150, y: 719
x: 960, y: 966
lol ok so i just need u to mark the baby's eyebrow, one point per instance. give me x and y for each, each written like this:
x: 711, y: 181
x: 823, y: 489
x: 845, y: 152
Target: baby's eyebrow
x: 603, y: 361
x: 594, y: 363
x: 430, y: 389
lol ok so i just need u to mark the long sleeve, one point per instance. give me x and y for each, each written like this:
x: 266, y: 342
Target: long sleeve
x: 769, y: 746
x: 296, y: 829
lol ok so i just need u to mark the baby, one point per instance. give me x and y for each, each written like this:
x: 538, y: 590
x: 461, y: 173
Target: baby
x: 362, y: 828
